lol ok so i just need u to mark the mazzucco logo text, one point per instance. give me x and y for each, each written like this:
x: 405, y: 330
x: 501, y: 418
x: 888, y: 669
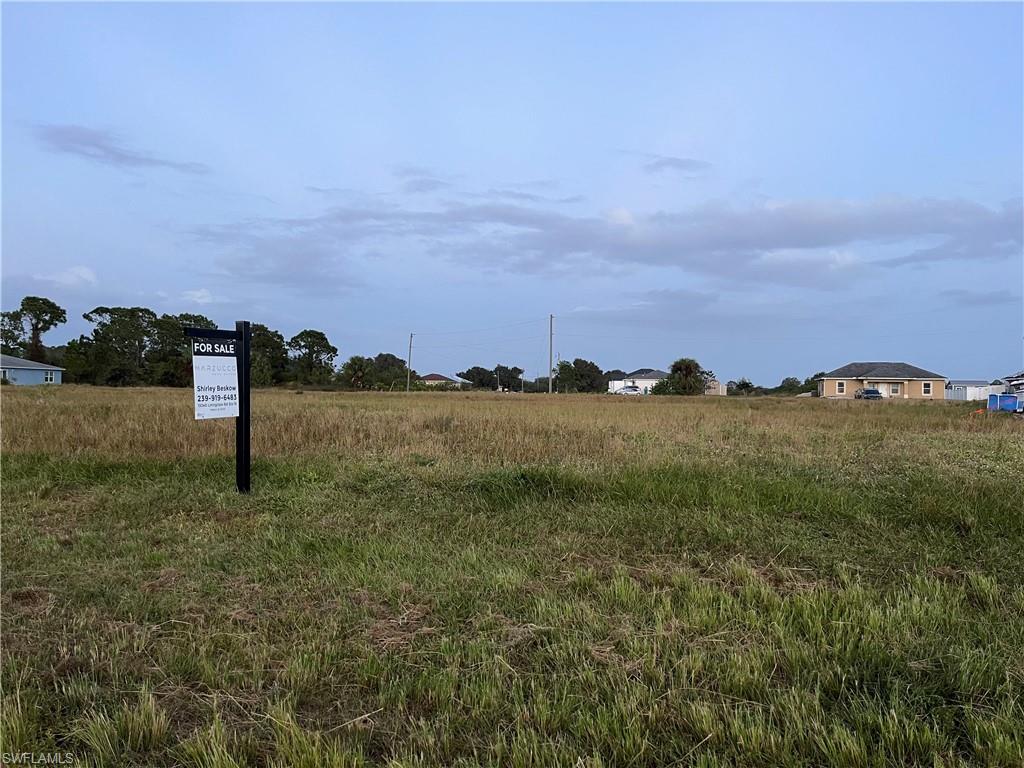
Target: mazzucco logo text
x: 37, y: 758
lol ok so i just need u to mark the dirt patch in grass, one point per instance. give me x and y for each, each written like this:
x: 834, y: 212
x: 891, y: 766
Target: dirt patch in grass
x: 31, y: 600
x: 606, y: 654
x: 165, y: 580
x: 391, y: 628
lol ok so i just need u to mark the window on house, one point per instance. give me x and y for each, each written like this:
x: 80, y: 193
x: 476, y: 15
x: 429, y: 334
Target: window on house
x: 840, y: 387
x: 926, y: 388
x: 3, y: 374
x: 895, y: 389
x: 48, y: 377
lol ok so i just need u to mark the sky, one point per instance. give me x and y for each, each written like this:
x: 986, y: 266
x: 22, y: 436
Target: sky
x: 773, y: 190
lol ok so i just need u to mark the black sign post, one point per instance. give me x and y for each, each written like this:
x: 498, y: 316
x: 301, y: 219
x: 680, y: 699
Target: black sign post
x: 241, y: 337
x: 243, y: 456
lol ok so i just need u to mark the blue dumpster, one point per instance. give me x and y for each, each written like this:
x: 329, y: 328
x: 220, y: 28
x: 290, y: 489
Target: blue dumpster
x: 1009, y: 403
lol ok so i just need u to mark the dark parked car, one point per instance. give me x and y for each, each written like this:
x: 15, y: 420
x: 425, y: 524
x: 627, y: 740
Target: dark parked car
x: 867, y: 394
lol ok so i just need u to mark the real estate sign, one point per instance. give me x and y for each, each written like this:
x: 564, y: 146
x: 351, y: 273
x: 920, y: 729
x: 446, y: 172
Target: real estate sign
x: 215, y: 372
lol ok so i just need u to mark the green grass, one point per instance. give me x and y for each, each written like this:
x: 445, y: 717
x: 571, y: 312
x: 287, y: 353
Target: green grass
x: 751, y: 609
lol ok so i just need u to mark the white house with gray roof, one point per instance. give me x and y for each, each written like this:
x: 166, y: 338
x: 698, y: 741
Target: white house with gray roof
x: 18, y: 371
x: 643, y: 378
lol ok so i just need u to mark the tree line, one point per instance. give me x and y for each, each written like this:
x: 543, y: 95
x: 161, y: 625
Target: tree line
x: 134, y: 346
x: 790, y: 386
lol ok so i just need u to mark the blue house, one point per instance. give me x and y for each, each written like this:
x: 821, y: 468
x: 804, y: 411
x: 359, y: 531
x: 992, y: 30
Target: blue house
x: 18, y: 371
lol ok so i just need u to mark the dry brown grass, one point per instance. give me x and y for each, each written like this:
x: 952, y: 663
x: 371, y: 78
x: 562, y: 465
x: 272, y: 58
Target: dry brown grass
x: 486, y: 429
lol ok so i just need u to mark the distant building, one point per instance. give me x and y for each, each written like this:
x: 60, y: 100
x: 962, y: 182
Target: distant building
x: 1015, y: 383
x: 18, y: 371
x: 645, y: 379
x: 972, y: 389
x: 437, y: 380
x: 715, y: 387
x: 642, y: 378
x: 899, y: 380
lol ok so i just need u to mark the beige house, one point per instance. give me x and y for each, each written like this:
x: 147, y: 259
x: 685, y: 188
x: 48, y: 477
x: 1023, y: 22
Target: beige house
x: 897, y: 380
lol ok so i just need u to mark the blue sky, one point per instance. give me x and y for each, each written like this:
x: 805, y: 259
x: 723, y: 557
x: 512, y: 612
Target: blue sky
x: 772, y: 189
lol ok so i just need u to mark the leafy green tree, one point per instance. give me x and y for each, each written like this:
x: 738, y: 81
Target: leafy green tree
x: 565, y: 377
x: 41, y: 315
x: 743, y: 387
x: 192, y: 320
x: 35, y: 316
x: 685, y: 377
x: 385, y: 371
x: 55, y: 355
x: 118, y: 345
x: 483, y: 378
x: 313, y: 355
x: 12, y: 333
x: 790, y: 384
x: 168, y: 352
x: 389, y: 371
x: 508, y: 377
x: 663, y: 387
x: 79, y: 361
x: 588, y: 376
x: 615, y: 374
x: 357, y: 372
x: 260, y: 374
x: 269, y: 356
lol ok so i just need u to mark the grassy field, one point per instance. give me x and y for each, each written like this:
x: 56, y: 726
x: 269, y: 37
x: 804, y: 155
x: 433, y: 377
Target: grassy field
x: 453, y: 579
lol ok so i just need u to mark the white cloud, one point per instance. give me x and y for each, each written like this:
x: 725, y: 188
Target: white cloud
x: 71, y: 276
x: 198, y: 296
x: 621, y: 216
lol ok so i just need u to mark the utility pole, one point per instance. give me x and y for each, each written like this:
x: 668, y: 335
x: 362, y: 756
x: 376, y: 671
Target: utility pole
x: 522, y: 381
x: 497, y: 375
x: 551, y: 343
x: 408, y: 366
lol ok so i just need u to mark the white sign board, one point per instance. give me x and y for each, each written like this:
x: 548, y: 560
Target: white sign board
x: 215, y: 373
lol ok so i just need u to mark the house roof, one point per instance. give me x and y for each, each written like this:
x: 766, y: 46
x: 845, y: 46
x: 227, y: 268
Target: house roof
x: 10, y: 361
x: 436, y: 377
x: 881, y: 371
x: 647, y: 373
x: 1019, y: 375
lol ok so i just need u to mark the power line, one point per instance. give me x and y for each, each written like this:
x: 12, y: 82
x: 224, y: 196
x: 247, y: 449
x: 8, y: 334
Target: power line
x: 481, y: 345
x: 479, y: 330
x: 739, y: 336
